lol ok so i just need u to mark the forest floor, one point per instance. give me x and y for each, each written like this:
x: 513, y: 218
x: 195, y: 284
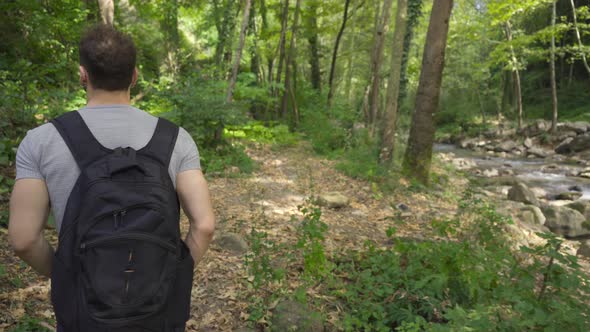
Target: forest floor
x: 268, y: 201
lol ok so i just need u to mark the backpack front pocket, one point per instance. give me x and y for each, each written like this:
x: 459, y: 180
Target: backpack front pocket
x: 125, y: 276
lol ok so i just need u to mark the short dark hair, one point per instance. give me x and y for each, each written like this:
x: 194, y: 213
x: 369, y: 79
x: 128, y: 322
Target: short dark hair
x: 109, y: 57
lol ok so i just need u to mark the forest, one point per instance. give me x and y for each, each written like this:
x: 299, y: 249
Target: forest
x: 374, y: 165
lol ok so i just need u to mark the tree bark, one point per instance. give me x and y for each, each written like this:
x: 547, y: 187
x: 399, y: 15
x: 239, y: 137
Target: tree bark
x: 515, y: 75
x: 388, y: 133
x: 553, y: 79
x: 236, y: 67
x: 351, y: 47
x: 418, y: 156
x: 254, y: 57
x: 107, y: 11
x: 314, y: 45
x: 169, y: 25
x: 284, y: 19
x: 335, y: 53
x: 288, y: 64
x: 376, y: 61
x: 414, y: 15
x: 577, y: 30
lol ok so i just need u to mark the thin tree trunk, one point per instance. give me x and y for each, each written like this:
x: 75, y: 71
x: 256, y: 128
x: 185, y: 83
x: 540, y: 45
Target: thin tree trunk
x: 169, y: 25
x: 414, y: 15
x: 254, y: 57
x: 376, y: 61
x: 236, y: 67
x: 351, y: 48
x: 397, y: 53
x: 515, y: 74
x: 553, y: 79
x: 335, y: 53
x: 107, y: 11
x: 290, y: 59
x: 577, y: 30
x: 418, y: 156
x: 284, y: 19
x: 314, y: 44
x: 570, y: 77
x: 482, y: 108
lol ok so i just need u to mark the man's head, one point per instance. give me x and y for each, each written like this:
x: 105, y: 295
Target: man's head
x: 107, y: 59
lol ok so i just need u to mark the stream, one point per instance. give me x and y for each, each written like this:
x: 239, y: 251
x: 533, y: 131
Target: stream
x: 536, y: 172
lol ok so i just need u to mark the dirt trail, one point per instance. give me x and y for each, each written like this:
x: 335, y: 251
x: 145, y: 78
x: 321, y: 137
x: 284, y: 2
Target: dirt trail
x: 268, y: 200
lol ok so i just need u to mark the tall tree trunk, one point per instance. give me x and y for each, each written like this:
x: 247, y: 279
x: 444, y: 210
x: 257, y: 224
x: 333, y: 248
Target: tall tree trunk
x: 376, y: 61
x: 553, y: 79
x: 107, y: 11
x: 335, y: 53
x: 236, y: 67
x: 351, y: 47
x: 418, y: 156
x: 254, y: 57
x: 414, y: 15
x: 388, y: 133
x: 169, y: 25
x: 282, y: 41
x: 314, y: 44
x: 577, y: 30
x: 288, y: 70
x: 224, y: 24
x: 515, y: 74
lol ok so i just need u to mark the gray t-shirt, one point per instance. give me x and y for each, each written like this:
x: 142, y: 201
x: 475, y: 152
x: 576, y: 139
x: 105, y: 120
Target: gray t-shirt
x: 43, y: 154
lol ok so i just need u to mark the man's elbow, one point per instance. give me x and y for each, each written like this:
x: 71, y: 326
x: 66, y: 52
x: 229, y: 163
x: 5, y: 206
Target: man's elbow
x: 206, y: 229
x: 22, y: 245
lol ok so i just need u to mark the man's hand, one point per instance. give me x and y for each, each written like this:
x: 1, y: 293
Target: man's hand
x: 29, y: 208
x: 194, y: 197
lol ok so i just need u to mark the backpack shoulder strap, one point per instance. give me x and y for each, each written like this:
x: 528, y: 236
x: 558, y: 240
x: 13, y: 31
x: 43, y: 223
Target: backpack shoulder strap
x: 79, y: 139
x: 162, y: 143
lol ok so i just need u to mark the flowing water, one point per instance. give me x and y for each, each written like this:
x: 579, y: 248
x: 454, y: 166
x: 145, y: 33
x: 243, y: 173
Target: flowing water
x: 533, y: 172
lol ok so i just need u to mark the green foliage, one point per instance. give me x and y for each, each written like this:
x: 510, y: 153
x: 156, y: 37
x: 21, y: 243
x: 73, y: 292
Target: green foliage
x: 311, y: 233
x: 255, y: 131
x: 223, y: 157
x: 29, y: 324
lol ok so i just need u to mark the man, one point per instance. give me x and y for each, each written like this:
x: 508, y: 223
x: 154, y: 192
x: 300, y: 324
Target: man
x: 47, y: 170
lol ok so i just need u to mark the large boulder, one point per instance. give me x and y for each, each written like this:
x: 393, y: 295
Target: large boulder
x: 568, y: 196
x: 565, y: 221
x: 577, y: 144
x: 536, y: 128
x: 294, y: 316
x: 333, y: 200
x: 582, y: 206
x: 520, y: 192
x: 585, y: 173
x: 532, y: 215
x: 538, y: 152
x: 584, y: 249
x: 506, y: 146
x: 579, y: 127
x: 233, y: 243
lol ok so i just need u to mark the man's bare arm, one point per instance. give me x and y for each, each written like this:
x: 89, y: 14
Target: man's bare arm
x: 195, y: 200
x: 29, y: 208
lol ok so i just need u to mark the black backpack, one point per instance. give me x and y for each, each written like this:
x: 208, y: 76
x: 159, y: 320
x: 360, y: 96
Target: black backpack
x: 120, y: 264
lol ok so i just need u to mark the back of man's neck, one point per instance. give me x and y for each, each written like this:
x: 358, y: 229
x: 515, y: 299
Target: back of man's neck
x: 101, y: 97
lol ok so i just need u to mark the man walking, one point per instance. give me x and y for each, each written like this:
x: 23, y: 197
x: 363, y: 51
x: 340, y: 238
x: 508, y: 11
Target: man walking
x: 114, y: 177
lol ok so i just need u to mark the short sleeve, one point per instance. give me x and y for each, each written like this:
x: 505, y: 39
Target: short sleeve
x: 189, y: 158
x: 28, y: 159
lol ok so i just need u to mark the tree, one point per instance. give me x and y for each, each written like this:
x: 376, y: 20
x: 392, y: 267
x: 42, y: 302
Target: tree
x: 376, y: 61
x: 289, y: 91
x: 553, y: 79
x: 515, y: 72
x: 282, y: 38
x: 169, y: 26
x: 418, y: 156
x: 314, y: 43
x: 388, y: 132
x: 236, y: 67
x: 578, y: 38
x: 107, y: 11
x: 335, y: 53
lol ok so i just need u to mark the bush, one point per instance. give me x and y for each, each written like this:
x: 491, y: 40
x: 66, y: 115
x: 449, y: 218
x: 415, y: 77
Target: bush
x: 221, y: 158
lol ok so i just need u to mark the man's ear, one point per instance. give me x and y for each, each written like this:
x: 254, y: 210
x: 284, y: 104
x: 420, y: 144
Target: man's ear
x: 83, y: 76
x: 134, y: 78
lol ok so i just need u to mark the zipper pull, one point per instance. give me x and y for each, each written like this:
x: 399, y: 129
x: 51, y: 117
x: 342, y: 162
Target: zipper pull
x: 116, y: 220
x: 83, y: 245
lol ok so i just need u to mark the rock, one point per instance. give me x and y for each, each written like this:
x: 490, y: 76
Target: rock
x: 464, y: 164
x: 579, y: 127
x: 536, y: 128
x: 402, y: 207
x: 521, y: 193
x: 233, y: 243
x: 565, y: 221
x: 506, y: 172
x: 585, y: 173
x: 569, y: 196
x: 575, y: 188
x: 506, y: 146
x: 582, y: 206
x: 490, y: 173
x: 359, y: 213
x: 333, y: 200
x: 584, y: 249
x: 294, y: 316
x: 528, y: 143
x: 579, y: 143
x: 551, y: 168
x: 564, y: 135
x: 532, y: 215
x: 539, y: 192
x: 538, y: 152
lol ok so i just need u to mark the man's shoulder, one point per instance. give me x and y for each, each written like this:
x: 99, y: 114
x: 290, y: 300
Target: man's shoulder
x: 42, y: 133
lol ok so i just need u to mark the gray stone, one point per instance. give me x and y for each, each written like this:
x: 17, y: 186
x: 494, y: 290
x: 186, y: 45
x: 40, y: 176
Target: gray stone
x: 489, y: 173
x: 579, y: 127
x: 521, y: 193
x: 463, y: 164
x: 584, y: 249
x: 294, y: 316
x: 506, y: 146
x: 536, y: 128
x: 577, y: 144
x: 532, y: 215
x: 402, y: 207
x: 582, y: 206
x: 565, y: 221
x: 568, y: 196
x: 233, y: 243
x: 333, y: 200
x: 538, y: 152
x: 528, y: 143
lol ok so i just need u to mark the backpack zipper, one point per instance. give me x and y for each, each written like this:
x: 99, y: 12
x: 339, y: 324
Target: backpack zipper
x: 132, y: 236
